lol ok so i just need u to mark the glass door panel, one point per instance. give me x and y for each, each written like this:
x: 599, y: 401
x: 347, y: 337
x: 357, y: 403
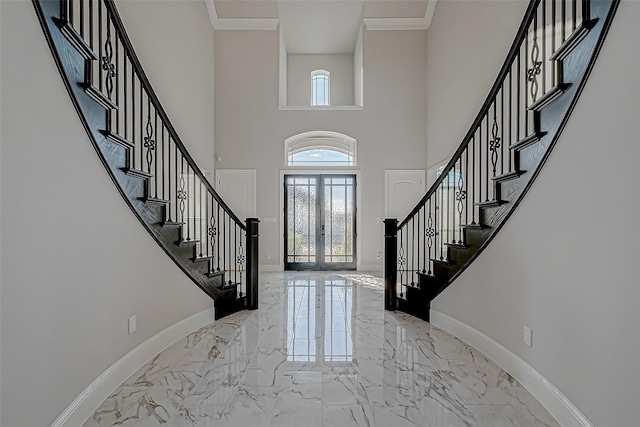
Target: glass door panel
x: 320, y: 222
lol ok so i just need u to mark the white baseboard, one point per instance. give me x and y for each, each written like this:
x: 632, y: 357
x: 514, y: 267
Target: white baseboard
x: 370, y: 267
x: 270, y: 268
x: 558, y: 405
x: 101, y: 388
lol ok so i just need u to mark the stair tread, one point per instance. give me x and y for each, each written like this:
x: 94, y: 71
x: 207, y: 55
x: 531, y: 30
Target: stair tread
x: 573, y: 40
x: 117, y: 138
x: 137, y: 173
x: 155, y: 200
x: 187, y: 242
x: 527, y: 141
x: 202, y: 259
x: 508, y: 176
x: 171, y: 224
x: 218, y: 273
x: 95, y: 94
x: 490, y: 203
x: 457, y: 245
x: 75, y: 38
x: 551, y: 95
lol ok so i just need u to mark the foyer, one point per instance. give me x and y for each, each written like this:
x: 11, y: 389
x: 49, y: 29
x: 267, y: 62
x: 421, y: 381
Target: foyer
x: 321, y: 351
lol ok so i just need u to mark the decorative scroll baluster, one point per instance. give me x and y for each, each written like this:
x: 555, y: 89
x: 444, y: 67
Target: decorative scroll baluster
x: 106, y: 62
x: 461, y: 195
x: 402, y: 261
x: 536, y: 64
x: 430, y: 232
x: 213, y: 233
x: 494, y: 144
x: 240, y: 259
x: 149, y: 143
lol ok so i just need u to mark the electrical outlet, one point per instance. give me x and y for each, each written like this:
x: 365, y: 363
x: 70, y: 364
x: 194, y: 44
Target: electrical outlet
x: 133, y: 324
x: 378, y: 255
x: 527, y: 336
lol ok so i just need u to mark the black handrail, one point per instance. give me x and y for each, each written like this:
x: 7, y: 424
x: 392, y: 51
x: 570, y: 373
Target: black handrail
x: 504, y: 71
x: 133, y: 57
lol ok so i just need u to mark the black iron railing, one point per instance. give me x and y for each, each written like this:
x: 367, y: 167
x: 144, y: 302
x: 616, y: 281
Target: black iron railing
x: 421, y: 249
x: 135, y: 120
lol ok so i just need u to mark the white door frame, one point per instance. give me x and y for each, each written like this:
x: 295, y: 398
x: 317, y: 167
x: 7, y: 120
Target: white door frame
x: 387, y: 176
x: 252, y: 172
x: 284, y: 172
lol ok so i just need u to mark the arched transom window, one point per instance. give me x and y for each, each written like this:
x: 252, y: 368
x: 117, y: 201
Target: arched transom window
x: 320, y: 148
x: 320, y: 87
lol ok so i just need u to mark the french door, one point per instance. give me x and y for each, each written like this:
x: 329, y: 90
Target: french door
x: 320, y: 222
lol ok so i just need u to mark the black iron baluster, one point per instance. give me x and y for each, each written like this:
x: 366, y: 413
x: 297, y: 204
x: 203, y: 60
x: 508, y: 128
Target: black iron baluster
x: 235, y: 252
x: 502, y: 127
x: 125, y: 106
x: 118, y: 112
x: 473, y: 174
x: 430, y: 234
x: 525, y: 111
x: 164, y: 172
x: 71, y: 12
x: 218, y: 248
x: 201, y: 217
x: 240, y: 258
x: 213, y: 232
x: 511, y: 141
x: 461, y: 195
x: 224, y: 242
x: 141, y: 127
x: 149, y: 142
x: 99, y: 42
x: 90, y: 24
x: 107, y: 64
x: 82, y: 19
x: 574, y: 14
x: 586, y: 10
x: 401, y: 262
x: 480, y: 174
x: 518, y: 101
x: 155, y: 164
x: 442, y: 238
x: 563, y: 15
x: 543, y: 28
x: 466, y: 183
x: 451, y: 178
x: 413, y: 240
x: 418, y: 241
x: 494, y: 144
x: 133, y: 118
x: 182, y: 196
x: 536, y: 64
x: 553, y: 39
x: 424, y: 241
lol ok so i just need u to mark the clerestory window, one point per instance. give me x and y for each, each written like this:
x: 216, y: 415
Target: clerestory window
x: 320, y: 88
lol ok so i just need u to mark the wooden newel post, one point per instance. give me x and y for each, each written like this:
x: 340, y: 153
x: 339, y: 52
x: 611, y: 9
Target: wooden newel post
x: 252, y: 263
x: 390, y: 263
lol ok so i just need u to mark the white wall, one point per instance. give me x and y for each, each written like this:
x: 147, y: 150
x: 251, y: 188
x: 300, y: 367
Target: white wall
x: 299, y: 68
x: 566, y: 264
x: 174, y: 41
x: 390, y: 130
x: 75, y: 261
x: 467, y: 43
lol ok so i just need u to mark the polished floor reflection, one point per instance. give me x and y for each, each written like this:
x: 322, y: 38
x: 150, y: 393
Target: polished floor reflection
x: 320, y: 351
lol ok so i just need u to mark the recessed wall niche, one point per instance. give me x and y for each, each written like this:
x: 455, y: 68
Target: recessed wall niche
x: 346, y: 75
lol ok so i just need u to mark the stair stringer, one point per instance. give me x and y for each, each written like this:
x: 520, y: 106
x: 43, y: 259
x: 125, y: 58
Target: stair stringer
x: 71, y: 64
x: 552, y: 119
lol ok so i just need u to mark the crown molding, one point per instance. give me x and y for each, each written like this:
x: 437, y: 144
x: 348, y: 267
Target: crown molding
x: 238, y: 23
x: 403, y: 23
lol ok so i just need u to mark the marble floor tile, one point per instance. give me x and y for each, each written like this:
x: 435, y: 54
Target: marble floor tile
x: 320, y: 352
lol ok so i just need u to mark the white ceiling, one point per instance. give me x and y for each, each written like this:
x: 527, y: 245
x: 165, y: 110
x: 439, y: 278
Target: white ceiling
x: 320, y: 26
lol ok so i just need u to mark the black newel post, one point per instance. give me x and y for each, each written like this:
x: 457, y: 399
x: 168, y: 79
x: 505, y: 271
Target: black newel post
x: 390, y: 264
x: 252, y: 263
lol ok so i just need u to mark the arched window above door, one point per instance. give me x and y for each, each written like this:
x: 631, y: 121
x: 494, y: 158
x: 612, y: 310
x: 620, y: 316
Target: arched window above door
x: 320, y: 148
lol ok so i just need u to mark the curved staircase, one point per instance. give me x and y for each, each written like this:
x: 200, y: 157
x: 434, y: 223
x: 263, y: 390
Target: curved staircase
x: 145, y: 157
x: 504, y: 150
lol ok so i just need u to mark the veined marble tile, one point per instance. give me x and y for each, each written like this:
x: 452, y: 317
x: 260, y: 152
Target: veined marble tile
x: 320, y: 351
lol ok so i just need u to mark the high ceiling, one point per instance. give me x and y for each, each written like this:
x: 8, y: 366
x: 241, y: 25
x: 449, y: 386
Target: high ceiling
x: 320, y: 26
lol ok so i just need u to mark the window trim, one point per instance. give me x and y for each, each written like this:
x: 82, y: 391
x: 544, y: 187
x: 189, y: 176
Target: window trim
x: 326, y: 140
x: 327, y: 75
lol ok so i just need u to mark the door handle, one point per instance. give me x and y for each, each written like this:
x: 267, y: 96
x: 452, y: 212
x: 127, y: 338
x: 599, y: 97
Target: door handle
x: 322, y: 229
